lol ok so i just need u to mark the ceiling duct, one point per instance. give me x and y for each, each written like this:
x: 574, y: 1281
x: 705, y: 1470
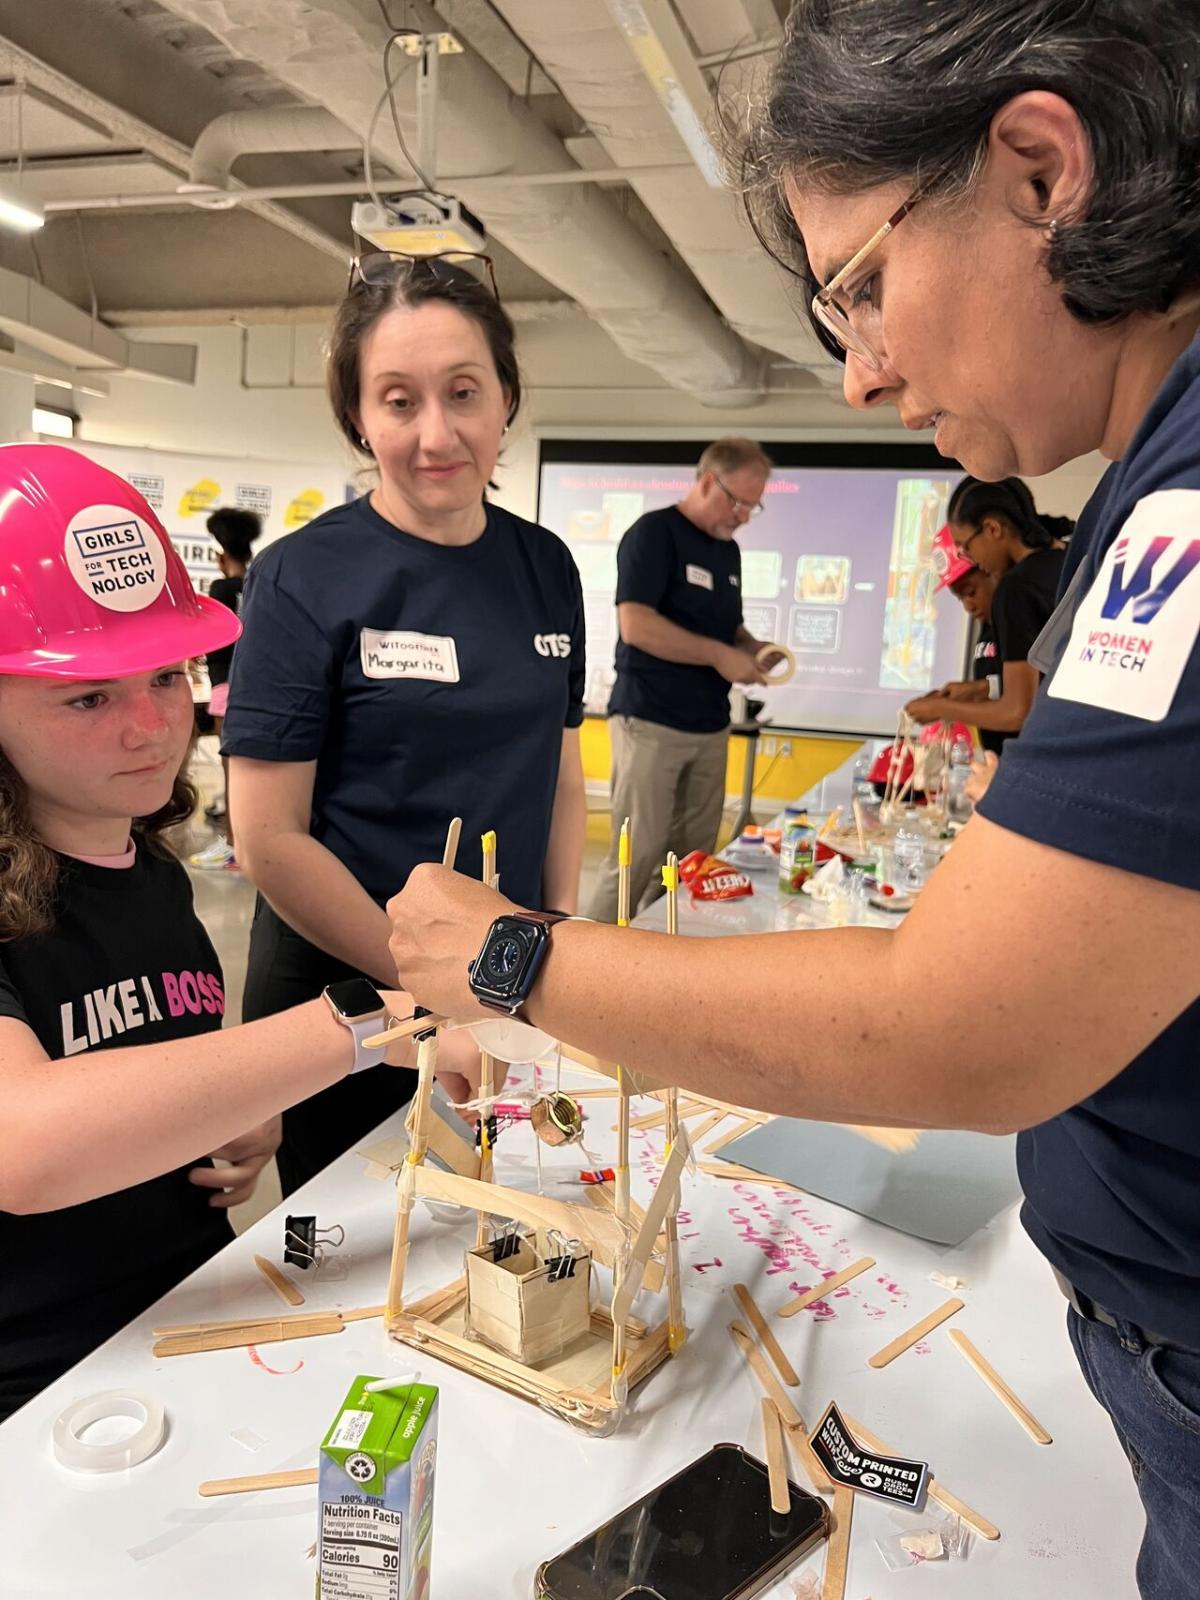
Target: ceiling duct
x: 266, y: 131
x: 576, y: 237
x: 40, y: 318
x: 611, y: 86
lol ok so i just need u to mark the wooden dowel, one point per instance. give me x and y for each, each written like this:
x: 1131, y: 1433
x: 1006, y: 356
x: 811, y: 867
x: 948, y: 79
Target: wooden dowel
x: 905, y: 1341
x: 781, y: 1495
x: 937, y: 1490
x: 741, y: 1337
x: 999, y: 1388
x: 279, y: 1281
x: 837, y: 1552
x: 769, y: 1342
x: 676, y: 1332
x: 302, y: 1479
x: 827, y: 1286
x: 427, y: 1053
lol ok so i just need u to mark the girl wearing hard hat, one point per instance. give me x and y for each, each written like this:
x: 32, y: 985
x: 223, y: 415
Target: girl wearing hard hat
x: 116, y: 1085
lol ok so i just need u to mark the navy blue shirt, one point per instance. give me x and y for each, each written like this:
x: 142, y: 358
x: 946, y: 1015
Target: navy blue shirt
x: 426, y: 681
x: 667, y: 563
x: 1105, y: 768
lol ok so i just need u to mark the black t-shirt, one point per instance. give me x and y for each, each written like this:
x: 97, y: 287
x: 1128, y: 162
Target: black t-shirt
x: 426, y: 681
x: 229, y: 592
x: 985, y: 663
x: 667, y: 563
x: 1105, y: 768
x: 126, y: 963
x: 1022, y: 603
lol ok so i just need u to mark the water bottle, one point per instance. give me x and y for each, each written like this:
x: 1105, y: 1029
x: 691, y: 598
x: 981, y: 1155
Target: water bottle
x: 861, y: 787
x: 908, y: 853
x: 957, y: 804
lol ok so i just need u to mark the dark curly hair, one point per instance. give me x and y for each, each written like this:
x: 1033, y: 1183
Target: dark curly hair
x: 869, y: 92
x: 235, y: 530
x: 1011, y: 501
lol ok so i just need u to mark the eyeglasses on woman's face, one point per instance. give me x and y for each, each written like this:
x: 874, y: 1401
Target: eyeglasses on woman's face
x: 849, y: 306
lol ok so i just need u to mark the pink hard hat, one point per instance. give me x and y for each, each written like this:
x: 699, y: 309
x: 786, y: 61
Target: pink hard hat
x: 90, y: 585
x: 948, y: 560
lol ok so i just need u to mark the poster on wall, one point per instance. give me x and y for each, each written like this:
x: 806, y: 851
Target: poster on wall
x: 837, y: 567
x: 184, y: 489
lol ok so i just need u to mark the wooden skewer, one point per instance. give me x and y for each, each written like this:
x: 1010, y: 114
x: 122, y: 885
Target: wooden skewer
x: 624, y: 871
x: 676, y: 1329
x: 264, y: 1480
x: 487, y: 1075
x: 937, y: 1490
x: 999, y: 1388
x: 826, y: 1286
x: 858, y: 825
x: 769, y: 1342
x: 741, y: 1337
x: 906, y: 1340
x: 781, y: 1496
x: 279, y: 1281
x: 837, y: 1552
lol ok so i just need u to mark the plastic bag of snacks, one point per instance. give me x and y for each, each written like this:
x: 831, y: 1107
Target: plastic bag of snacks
x: 709, y: 878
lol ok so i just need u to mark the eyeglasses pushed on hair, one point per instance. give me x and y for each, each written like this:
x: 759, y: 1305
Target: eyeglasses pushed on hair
x: 379, y: 267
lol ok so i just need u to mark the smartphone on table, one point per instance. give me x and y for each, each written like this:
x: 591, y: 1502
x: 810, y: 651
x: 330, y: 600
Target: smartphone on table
x: 708, y: 1533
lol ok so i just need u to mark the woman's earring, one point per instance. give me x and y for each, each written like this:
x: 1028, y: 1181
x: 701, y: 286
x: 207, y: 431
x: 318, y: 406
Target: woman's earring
x: 1052, y: 231
x: 363, y: 441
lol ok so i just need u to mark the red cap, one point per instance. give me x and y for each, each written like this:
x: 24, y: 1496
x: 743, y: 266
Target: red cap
x: 948, y: 560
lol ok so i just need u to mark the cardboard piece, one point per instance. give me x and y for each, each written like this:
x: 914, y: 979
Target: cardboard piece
x: 943, y: 1190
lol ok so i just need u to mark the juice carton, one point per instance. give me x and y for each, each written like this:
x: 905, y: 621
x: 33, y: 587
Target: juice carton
x: 375, y: 1483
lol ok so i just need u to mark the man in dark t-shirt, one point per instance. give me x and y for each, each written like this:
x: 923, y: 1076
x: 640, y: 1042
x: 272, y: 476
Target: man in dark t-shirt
x: 682, y: 643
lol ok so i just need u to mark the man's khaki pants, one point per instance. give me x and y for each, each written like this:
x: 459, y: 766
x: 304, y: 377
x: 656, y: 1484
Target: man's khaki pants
x: 671, y: 785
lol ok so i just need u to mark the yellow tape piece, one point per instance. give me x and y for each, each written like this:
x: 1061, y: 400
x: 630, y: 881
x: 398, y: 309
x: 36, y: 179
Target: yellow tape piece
x: 489, y: 843
x: 670, y: 877
x: 676, y: 1339
x: 624, y: 851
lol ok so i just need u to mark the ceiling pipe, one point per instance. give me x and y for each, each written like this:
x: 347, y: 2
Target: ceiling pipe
x: 268, y: 130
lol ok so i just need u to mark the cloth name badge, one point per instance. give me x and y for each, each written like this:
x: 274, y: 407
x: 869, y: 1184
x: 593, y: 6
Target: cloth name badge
x: 408, y: 655
x: 700, y: 576
x: 1135, y: 628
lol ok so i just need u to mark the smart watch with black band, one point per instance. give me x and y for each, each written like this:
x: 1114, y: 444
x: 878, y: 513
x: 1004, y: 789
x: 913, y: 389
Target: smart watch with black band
x: 504, y: 972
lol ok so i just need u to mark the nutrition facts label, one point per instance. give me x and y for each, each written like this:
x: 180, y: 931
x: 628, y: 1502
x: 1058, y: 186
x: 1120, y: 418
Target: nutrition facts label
x: 360, y: 1553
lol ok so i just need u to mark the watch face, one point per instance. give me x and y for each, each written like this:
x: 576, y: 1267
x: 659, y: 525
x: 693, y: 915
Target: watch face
x: 354, y: 998
x: 504, y: 958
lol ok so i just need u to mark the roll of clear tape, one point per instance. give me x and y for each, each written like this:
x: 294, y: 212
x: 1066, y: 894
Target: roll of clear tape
x: 114, y: 1455
x: 510, y: 1040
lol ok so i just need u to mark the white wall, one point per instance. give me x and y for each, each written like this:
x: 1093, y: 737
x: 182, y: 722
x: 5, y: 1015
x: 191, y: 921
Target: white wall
x: 578, y: 388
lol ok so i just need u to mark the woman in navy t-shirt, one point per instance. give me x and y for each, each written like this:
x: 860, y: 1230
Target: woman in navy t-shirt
x: 993, y: 210
x: 409, y: 657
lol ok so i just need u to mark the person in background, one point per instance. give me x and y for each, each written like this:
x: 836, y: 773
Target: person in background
x: 682, y: 644
x: 1021, y: 274
x: 235, y: 531
x: 409, y: 657
x: 998, y: 527
x: 118, y: 1085
x: 974, y: 589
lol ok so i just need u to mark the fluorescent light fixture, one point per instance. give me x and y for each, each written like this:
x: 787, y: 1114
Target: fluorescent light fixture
x: 59, y: 424
x: 19, y: 208
x: 664, y: 55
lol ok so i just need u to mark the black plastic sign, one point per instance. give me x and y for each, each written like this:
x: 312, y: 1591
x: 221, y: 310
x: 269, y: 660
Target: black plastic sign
x: 890, y: 1478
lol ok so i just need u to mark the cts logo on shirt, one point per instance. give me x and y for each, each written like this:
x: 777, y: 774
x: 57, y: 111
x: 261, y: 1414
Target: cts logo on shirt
x: 552, y: 644
x: 1135, y: 629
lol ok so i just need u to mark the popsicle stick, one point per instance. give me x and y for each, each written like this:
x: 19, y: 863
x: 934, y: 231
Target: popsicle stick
x: 404, y: 1029
x: 450, y: 853
x: 905, y: 1341
x: 257, y: 1333
x: 769, y: 1342
x: 798, y: 1441
x: 837, y: 1551
x: 746, y: 1125
x: 781, y: 1498
x: 264, y: 1480
x: 999, y: 1388
x: 858, y: 828
x: 427, y: 1054
x: 707, y: 1126
x: 279, y: 1281
x: 826, y: 1286
x: 741, y: 1337
x: 736, y: 1174
x: 937, y: 1490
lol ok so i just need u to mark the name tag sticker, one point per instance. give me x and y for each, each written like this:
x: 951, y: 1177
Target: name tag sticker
x: 408, y: 655
x: 1135, y: 628
x: 700, y: 576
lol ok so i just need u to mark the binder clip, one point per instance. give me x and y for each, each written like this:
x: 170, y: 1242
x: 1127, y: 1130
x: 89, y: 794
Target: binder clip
x: 493, y: 1129
x: 562, y: 1265
x: 305, y: 1245
x: 507, y: 1242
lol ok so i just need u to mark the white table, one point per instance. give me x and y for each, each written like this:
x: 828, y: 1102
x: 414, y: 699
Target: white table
x: 516, y: 1485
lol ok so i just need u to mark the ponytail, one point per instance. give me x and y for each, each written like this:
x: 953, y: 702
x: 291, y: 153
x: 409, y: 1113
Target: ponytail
x: 1011, y: 501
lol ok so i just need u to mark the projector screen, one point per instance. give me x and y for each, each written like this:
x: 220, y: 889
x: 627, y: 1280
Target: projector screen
x: 836, y: 567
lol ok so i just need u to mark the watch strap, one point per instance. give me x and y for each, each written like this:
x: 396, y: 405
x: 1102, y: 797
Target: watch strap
x: 360, y: 1031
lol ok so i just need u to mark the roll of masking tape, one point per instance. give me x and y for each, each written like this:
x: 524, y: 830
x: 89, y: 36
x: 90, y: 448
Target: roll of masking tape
x: 783, y: 671
x: 83, y: 1455
x: 509, y: 1040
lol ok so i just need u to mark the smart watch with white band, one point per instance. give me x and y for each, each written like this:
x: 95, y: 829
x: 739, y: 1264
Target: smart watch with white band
x: 359, y: 1007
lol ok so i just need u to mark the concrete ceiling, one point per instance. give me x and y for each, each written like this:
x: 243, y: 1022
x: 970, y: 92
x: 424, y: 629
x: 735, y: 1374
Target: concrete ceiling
x: 106, y: 98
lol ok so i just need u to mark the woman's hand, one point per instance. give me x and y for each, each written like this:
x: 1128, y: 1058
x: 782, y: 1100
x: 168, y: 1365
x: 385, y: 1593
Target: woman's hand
x: 928, y: 707
x: 439, y: 921
x: 247, y: 1155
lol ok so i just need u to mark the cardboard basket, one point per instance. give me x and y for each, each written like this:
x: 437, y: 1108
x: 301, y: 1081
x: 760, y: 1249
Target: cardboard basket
x: 515, y: 1306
